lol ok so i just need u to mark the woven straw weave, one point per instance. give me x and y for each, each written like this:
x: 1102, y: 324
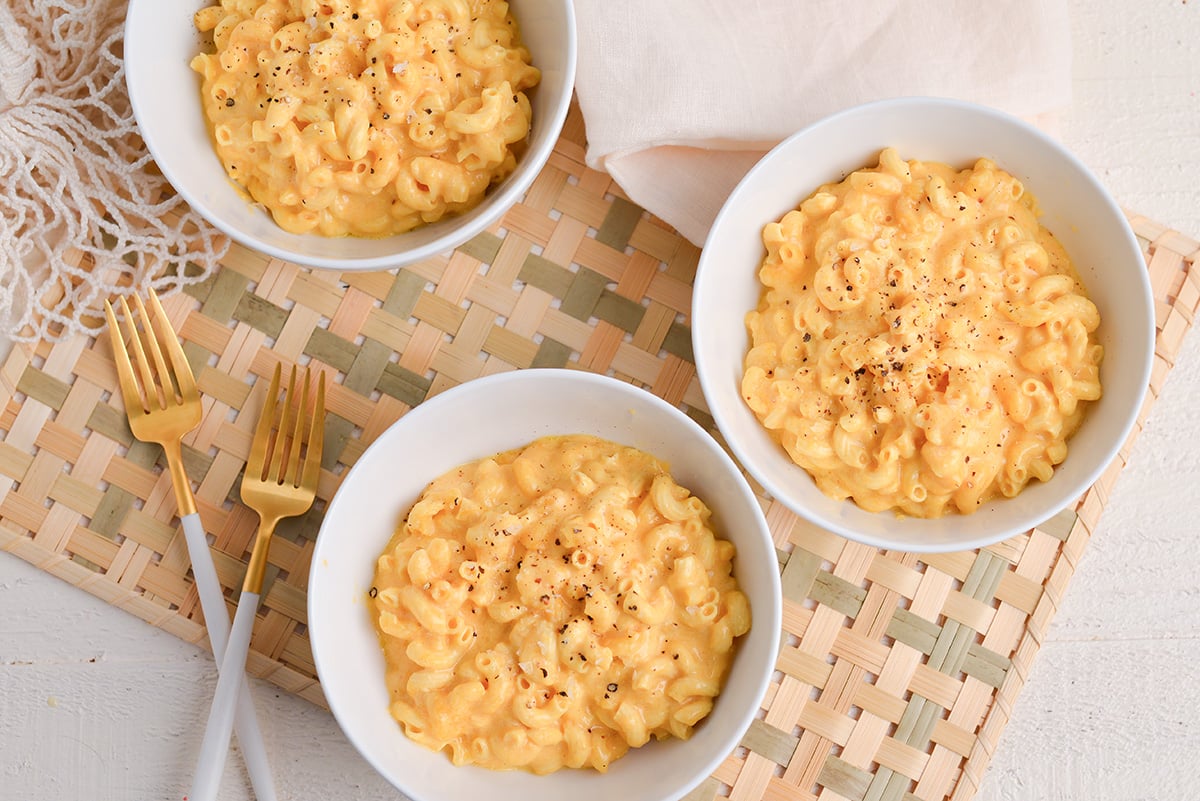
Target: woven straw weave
x: 897, y: 673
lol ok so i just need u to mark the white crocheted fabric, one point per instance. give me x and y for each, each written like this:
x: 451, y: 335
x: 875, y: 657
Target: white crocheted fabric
x: 84, y: 213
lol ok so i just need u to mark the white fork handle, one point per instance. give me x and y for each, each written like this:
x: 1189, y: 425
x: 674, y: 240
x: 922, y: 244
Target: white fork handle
x: 232, y: 676
x: 212, y: 601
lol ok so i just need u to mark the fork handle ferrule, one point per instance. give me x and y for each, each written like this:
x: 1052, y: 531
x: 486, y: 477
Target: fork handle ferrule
x: 257, y: 567
x: 179, y: 479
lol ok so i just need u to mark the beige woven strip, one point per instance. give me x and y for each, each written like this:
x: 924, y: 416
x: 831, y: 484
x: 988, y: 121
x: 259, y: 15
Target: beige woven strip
x: 897, y: 672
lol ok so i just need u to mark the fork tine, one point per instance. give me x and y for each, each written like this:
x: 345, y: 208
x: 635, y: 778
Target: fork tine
x: 316, y: 437
x: 279, y: 455
x: 255, y: 465
x: 292, y: 474
x: 150, y: 397
x: 129, y: 385
x: 185, y: 382
x: 164, y: 388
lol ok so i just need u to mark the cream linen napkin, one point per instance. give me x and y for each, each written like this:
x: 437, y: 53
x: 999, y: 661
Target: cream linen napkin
x: 681, y: 97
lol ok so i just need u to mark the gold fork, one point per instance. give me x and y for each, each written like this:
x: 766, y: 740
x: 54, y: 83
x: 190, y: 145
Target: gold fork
x: 163, y: 405
x: 280, y: 481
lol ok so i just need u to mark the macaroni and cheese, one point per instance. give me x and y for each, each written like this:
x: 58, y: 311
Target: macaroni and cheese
x: 364, y: 117
x: 922, y: 343
x: 555, y: 605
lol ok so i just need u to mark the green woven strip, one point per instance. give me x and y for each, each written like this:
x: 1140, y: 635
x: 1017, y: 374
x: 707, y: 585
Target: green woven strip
x: 837, y: 593
x: 551, y: 353
x: 913, y: 630
x: 483, y: 247
x: 403, y: 296
x: 196, y: 356
x: 190, y: 269
x: 799, y: 573
x: 879, y: 785
x: 622, y: 312
x: 261, y: 314
x: 911, y: 720
x: 224, y: 295
x: 619, y: 223
x: 144, y: 454
x: 888, y: 785
x: 310, y: 524
x: 114, y: 505
x: 984, y: 576
x: 339, y: 432
x: 678, y: 342
x: 43, y: 388
x: 579, y: 301
x: 196, y: 463
x: 546, y: 275
x: 367, y: 368
x: 947, y: 652
x: 987, y: 666
x: 403, y: 384
x: 844, y: 779
x: 111, y: 423
x: 768, y: 741
x: 914, y: 728
x: 781, y: 559
x: 331, y: 349
x: 981, y: 583
x: 200, y: 289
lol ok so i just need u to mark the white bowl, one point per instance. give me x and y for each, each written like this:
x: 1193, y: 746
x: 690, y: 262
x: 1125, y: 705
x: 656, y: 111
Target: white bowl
x: 475, y: 420
x: 1077, y: 210
x: 160, y: 41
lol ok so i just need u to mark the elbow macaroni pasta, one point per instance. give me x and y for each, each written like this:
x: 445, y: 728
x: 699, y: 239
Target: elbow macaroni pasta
x: 364, y: 117
x: 921, y: 343
x: 555, y: 605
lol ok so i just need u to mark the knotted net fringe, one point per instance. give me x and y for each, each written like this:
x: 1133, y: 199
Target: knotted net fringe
x: 84, y: 212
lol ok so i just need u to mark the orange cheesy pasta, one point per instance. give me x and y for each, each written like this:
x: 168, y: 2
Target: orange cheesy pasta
x: 554, y: 606
x: 921, y: 343
x: 365, y: 117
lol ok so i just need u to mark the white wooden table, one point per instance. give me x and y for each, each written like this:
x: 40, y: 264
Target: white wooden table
x: 95, y: 704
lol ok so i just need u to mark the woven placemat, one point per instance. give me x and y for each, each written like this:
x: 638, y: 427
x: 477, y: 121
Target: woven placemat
x: 897, y: 672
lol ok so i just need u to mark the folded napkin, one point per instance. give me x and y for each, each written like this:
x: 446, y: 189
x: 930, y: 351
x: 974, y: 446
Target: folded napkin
x: 681, y: 97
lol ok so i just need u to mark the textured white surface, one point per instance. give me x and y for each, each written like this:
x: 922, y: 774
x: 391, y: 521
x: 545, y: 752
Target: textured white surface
x: 1109, y: 711
x: 95, y: 704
